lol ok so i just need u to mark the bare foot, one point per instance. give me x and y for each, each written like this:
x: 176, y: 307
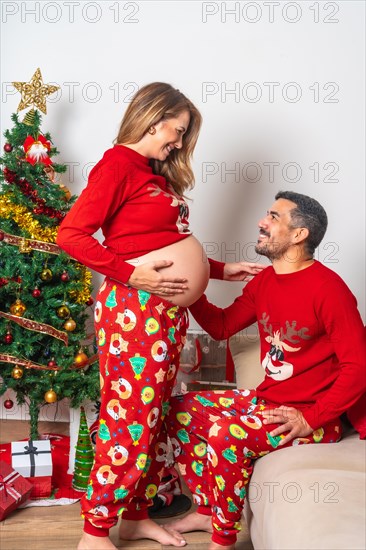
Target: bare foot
x: 191, y: 522
x: 89, y: 542
x: 148, y: 529
x: 215, y: 546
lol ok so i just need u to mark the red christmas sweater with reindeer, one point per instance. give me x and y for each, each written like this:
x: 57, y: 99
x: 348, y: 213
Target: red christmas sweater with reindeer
x: 137, y: 210
x: 311, y: 334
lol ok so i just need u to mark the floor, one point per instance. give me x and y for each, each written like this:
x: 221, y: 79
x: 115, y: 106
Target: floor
x: 59, y: 527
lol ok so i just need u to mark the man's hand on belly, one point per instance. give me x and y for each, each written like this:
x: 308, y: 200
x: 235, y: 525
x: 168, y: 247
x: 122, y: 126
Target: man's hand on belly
x: 241, y: 271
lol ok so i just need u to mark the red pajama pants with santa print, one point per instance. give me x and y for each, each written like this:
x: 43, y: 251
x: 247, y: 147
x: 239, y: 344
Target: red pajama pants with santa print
x: 220, y: 434
x: 139, y: 337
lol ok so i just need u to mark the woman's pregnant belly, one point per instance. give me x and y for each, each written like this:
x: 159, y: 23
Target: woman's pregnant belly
x: 189, y: 262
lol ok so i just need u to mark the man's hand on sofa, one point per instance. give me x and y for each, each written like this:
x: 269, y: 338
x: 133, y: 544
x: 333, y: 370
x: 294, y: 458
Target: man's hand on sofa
x: 291, y: 420
x: 241, y: 271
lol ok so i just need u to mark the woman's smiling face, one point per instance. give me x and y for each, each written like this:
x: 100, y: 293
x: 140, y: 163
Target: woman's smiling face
x: 168, y: 136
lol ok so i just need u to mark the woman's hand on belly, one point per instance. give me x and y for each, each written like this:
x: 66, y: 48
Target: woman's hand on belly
x: 147, y: 277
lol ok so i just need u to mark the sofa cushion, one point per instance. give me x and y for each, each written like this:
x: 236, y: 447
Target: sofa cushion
x: 309, y: 497
x: 245, y: 351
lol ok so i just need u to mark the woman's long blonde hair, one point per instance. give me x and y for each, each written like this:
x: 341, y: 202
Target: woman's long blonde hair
x: 155, y: 102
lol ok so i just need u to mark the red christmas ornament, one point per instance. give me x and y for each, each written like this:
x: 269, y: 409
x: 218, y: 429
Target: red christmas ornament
x: 36, y: 293
x: 2, y: 235
x: 65, y: 277
x: 51, y: 363
x: 36, y: 150
x: 8, y: 338
x: 90, y: 302
x: 8, y: 148
x: 8, y: 404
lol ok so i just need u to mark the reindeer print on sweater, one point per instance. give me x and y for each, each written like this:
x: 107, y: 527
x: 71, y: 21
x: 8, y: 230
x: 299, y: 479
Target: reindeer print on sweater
x: 274, y: 362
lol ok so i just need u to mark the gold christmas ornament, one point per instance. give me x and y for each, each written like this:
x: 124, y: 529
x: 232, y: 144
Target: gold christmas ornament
x: 46, y: 275
x: 80, y: 358
x: 18, y: 308
x: 70, y: 325
x: 17, y: 373
x: 34, y: 92
x: 50, y: 396
x: 63, y: 312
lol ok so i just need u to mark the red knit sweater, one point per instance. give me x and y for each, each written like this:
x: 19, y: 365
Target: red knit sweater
x: 137, y: 211
x: 312, y: 339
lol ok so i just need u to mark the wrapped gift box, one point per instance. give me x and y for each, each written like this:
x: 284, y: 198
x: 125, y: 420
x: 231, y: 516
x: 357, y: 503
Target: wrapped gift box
x: 32, y: 459
x: 14, y: 490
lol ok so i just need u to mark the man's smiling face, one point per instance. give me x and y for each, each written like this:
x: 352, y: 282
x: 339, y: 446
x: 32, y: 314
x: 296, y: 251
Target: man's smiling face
x: 275, y: 231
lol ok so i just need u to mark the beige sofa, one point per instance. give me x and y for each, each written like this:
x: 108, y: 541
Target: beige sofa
x: 307, y: 496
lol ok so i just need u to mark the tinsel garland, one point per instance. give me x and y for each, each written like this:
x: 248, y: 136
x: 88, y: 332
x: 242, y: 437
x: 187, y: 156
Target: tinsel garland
x: 82, y: 296
x: 24, y: 219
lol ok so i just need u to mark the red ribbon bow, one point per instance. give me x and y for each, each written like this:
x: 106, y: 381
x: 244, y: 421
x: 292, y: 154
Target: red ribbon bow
x: 4, y: 484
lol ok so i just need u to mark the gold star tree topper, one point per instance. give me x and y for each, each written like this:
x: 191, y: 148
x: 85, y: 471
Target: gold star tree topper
x: 34, y: 92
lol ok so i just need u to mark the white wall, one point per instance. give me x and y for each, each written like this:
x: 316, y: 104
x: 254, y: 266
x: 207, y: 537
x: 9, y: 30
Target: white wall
x: 296, y: 70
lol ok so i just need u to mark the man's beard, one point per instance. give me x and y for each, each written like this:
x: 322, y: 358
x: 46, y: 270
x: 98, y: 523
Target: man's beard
x: 273, y: 251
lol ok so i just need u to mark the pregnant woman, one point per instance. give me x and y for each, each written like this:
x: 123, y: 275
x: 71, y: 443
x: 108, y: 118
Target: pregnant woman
x: 154, y: 268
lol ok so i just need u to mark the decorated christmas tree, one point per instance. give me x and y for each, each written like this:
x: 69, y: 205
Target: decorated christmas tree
x: 84, y: 456
x: 44, y: 294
